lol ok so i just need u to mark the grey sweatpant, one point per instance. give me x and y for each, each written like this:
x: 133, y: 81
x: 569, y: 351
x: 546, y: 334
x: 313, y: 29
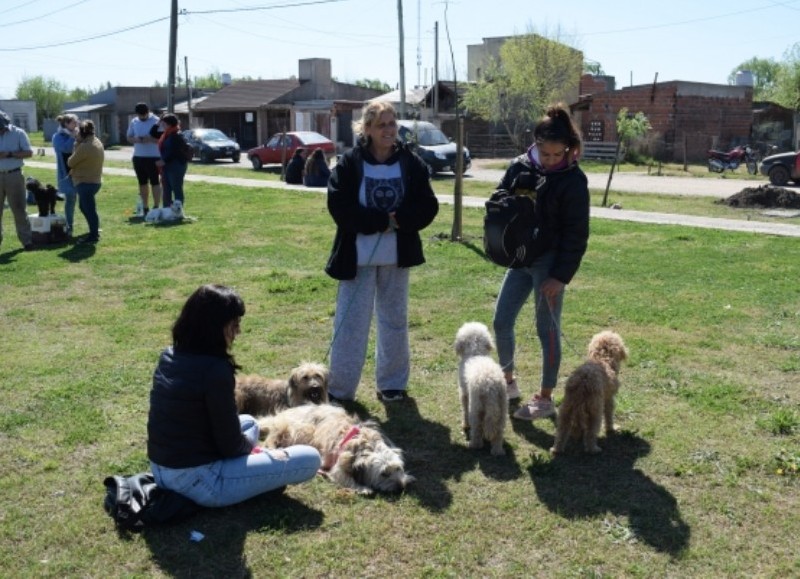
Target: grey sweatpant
x: 384, y: 289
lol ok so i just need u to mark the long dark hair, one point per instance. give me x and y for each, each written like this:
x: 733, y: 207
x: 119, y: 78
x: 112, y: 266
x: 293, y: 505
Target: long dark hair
x: 557, y: 126
x: 200, y: 327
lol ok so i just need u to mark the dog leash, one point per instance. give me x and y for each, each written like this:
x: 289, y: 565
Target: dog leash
x: 557, y: 327
x: 333, y: 458
x: 352, y: 299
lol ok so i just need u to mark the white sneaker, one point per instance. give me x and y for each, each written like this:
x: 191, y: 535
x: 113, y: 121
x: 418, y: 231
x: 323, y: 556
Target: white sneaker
x: 512, y: 390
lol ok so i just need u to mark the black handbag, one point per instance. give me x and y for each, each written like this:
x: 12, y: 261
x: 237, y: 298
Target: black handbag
x: 136, y: 502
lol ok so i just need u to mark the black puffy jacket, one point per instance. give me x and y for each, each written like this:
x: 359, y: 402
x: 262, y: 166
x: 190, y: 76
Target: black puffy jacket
x: 562, y: 212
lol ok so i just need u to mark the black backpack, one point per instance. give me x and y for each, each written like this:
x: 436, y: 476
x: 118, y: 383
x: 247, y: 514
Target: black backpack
x: 135, y: 502
x: 186, y: 148
x: 510, y: 229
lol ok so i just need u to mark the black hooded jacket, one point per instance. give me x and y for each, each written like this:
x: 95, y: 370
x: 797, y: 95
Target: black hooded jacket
x: 562, y: 212
x: 417, y: 210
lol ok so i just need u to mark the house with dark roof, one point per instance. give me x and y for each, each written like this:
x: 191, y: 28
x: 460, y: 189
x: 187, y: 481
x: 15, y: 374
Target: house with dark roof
x: 252, y: 111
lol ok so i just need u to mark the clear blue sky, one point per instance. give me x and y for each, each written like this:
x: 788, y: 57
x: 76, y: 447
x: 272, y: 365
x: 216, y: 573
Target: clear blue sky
x: 86, y: 43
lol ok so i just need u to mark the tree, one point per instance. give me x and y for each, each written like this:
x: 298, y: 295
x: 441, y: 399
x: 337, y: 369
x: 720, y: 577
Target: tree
x: 787, y: 83
x: 532, y: 73
x: 373, y: 83
x: 765, y: 75
x: 631, y: 126
x: 48, y: 93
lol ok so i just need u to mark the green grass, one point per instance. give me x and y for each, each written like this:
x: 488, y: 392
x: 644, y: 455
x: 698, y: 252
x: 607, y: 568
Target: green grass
x: 701, y: 482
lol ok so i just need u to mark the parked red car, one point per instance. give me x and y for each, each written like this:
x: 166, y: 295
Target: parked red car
x: 280, y: 148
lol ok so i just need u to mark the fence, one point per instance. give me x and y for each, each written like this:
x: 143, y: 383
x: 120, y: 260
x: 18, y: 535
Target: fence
x: 601, y: 150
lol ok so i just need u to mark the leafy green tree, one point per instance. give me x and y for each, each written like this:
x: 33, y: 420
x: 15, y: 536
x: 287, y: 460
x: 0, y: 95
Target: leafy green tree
x: 787, y: 83
x: 631, y: 126
x: 373, y: 83
x: 532, y: 73
x: 765, y: 74
x: 48, y: 93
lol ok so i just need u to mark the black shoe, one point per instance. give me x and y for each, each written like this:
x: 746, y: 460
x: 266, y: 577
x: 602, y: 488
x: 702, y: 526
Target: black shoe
x: 88, y: 240
x: 391, y: 395
x: 338, y: 401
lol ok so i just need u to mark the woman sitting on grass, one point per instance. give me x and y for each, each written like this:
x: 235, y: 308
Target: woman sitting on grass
x: 197, y: 443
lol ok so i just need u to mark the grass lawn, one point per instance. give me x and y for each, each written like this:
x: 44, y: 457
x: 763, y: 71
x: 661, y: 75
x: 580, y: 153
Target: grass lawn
x: 702, y: 481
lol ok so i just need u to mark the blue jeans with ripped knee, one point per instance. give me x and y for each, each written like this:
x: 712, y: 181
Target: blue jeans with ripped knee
x: 518, y: 285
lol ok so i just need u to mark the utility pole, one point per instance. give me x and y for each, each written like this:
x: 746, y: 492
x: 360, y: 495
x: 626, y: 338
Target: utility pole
x: 436, y: 70
x: 188, y: 90
x: 402, y: 60
x: 173, y: 49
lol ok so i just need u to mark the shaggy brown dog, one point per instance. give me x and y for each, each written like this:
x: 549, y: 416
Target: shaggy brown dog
x: 259, y: 396
x: 589, y: 394
x: 355, y: 454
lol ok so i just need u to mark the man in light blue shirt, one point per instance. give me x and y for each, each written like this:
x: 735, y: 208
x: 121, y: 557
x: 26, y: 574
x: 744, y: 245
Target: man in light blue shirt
x: 14, y: 147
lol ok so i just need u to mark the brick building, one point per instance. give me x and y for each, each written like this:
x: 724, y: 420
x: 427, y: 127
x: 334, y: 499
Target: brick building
x: 688, y: 118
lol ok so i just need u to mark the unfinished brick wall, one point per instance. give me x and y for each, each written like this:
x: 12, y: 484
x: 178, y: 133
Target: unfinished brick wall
x: 687, y: 118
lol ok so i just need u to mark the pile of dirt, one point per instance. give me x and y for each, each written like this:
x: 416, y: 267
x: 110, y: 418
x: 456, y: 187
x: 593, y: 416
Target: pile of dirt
x: 764, y: 197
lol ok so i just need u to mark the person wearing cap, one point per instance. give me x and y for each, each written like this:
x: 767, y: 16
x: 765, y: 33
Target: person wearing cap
x: 145, y: 154
x: 14, y: 147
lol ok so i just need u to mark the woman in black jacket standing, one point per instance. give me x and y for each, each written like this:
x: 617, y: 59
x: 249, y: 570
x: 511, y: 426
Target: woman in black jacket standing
x: 380, y: 197
x: 549, y: 173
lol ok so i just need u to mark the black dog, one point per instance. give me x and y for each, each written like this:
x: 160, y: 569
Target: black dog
x: 45, y: 196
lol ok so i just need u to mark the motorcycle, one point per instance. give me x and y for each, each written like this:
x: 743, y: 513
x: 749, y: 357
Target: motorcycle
x: 718, y: 161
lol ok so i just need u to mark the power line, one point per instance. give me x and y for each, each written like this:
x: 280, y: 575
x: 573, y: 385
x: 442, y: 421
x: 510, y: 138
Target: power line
x: 182, y: 13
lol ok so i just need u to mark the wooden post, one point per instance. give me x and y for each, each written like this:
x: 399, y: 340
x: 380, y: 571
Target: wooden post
x: 455, y: 234
x: 611, y: 173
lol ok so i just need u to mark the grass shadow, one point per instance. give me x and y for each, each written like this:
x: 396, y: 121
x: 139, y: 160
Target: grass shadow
x: 78, y: 252
x: 222, y: 551
x: 577, y: 486
x: 434, y: 459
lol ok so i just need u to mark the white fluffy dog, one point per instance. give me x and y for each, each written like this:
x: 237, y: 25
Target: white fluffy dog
x: 483, y: 387
x: 589, y: 394
x: 259, y: 396
x: 355, y: 454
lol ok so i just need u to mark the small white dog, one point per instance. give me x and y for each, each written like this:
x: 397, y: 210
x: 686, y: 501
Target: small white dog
x: 589, y: 394
x: 354, y: 454
x: 483, y: 388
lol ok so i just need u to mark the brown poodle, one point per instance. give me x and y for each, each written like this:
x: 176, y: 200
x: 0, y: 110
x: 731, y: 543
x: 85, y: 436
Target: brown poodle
x: 589, y: 394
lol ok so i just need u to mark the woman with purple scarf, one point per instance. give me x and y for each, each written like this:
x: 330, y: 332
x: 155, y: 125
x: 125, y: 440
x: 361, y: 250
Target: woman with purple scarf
x: 548, y: 172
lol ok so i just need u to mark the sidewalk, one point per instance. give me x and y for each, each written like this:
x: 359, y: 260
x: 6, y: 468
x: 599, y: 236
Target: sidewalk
x: 764, y: 227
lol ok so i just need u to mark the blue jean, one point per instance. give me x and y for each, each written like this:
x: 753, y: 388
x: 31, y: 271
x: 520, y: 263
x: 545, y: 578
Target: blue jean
x: 384, y: 289
x: 70, y: 199
x: 173, y: 174
x: 233, y: 480
x: 88, y: 206
x: 517, y: 287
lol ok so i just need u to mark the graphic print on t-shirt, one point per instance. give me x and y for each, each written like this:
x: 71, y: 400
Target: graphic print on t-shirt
x: 383, y: 194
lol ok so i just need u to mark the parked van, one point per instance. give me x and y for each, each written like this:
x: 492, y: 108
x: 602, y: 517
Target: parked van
x: 430, y: 143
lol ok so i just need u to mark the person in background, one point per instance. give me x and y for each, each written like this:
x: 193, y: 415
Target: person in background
x: 14, y: 147
x: 549, y: 173
x: 64, y: 144
x: 145, y: 155
x: 380, y: 198
x: 295, y: 166
x: 316, y: 172
x: 173, y: 162
x: 197, y: 444
x: 86, y: 169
